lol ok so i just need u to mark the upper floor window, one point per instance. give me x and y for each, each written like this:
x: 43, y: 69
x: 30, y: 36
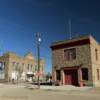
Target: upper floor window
x: 28, y: 67
x: 17, y: 64
x: 96, y: 54
x: 13, y: 63
x: 22, y: 64
x: 42, y: 68
x: 70, y: 54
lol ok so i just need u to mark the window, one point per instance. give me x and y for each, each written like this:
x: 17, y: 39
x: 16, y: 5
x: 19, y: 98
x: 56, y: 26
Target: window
x: 36, y: 67
x: 28, y: 67
x: 22, y: 64
x: 15, y: 68
x: 42, y: 68
x: 70, y: 54
x: 98, y: 74
x: 58, y: 75
x: 85, y: 73
x: 1, y: 66
x: 4, y: 63
x: 17, y: 64
x: 96, y: 54
x: 13, y: 63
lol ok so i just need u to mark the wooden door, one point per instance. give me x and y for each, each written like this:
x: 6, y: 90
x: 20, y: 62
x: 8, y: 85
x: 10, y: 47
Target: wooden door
x: 68, y: 79
x: 71, y: 77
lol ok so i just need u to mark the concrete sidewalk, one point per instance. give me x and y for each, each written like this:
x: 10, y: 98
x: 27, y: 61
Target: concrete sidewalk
x: 44, y: 87
x: 65, y: 87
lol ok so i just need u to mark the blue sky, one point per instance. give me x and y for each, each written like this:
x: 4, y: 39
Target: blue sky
x: 21, y: 19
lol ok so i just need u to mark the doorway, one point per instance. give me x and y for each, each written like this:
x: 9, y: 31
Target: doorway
x: 71, y: 77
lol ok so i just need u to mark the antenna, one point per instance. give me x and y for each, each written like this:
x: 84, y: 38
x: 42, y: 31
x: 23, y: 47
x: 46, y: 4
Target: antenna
x: 70, y: 30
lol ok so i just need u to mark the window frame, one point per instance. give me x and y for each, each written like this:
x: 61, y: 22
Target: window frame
x: 96, y: 53
x: 71, y: 56
x: 85, y: 76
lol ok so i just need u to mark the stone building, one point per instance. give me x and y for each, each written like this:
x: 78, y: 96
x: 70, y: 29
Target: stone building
x: 15, y: 67
x: 76, y: 61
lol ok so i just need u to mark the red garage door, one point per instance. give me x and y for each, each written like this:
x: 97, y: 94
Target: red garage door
x: 71, y: 77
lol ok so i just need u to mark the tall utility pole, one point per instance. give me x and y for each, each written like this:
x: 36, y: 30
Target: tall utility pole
x: 38, y: 37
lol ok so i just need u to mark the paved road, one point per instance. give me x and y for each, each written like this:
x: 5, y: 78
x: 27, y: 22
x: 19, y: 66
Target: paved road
x: 17, y: 92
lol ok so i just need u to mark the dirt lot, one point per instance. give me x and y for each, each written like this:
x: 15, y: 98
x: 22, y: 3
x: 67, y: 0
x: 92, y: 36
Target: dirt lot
x: 20, y: 92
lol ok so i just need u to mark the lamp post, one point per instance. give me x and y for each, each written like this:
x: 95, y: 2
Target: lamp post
x: 38, y: 37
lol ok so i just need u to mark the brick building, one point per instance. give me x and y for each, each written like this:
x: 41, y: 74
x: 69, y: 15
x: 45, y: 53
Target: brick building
x: 76, y: 61
x: 12, y: 66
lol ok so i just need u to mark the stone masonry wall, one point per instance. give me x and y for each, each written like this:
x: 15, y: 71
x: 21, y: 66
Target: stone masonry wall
x: 95, y: 63
x: 83, y: 57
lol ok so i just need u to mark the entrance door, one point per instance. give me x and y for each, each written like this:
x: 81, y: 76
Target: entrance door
x: 71, y: 77
x: 68, y: 79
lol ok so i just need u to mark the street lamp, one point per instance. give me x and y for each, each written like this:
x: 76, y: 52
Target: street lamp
x: 38, y: 37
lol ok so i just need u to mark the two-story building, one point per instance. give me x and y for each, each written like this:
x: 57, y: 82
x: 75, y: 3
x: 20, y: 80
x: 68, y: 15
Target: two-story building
x: 13, y: 66
x: 76, y: 61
